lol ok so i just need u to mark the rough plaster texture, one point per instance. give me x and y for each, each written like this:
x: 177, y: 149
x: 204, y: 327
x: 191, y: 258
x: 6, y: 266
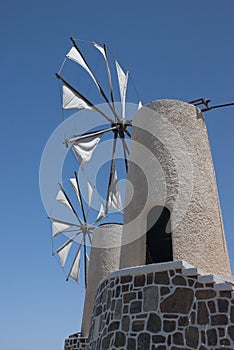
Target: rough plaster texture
x: 104, y: 259
x: 171, y: 165
x: 161, y: 306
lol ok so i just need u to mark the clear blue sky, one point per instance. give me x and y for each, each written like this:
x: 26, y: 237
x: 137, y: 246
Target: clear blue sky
x: 174, y: 49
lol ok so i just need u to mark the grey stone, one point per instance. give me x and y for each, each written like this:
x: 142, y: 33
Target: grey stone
x: 164, y: 290
x: 212, y: 337
x: 138, y: 325
x: 183, y: 321
x: 106, y: 342
x: 131, y: 345
x: 225, y: 342
x: 126, y: 279
x: 231, y: 332
x: 232, y: 314
x: 129, y: 296
x: 113, y: 326
x: 149, y: 278
x: 158, y: 339
x: 154, y: 323
x: 125, y: 323
x: 178, y: 302
x: 139, y: 281
x: 150, y: 296
x: 202, y: 313
x: 219, y: 319
x: 143, y: 341
x: 135, y: 307
x: 192, y: 337
x: 169, y: 326
x: 205, y: 294
x: 118, y: 309
x: 179, y: 280
x: 212, y: 306
x: 120, y: 339
x: 223, y: 305
x: 161, y: 278
x: 178, y: 338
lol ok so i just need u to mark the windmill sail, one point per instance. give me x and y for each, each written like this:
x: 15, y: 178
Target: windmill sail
x: 114, y: 198
x: 75, y: 187
x: 62, y: 199
x: 75, y: 269
x: 84, y: 148
x: 63, y: 253
x: 104, y: 53
x: 101, y: 214
x: 59, y: 226
x: 75, y: 55
x: 73, y: 101
x: 123, y: 81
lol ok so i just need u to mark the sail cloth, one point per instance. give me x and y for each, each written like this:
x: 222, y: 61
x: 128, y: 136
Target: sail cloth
x: 75, y: 269
x: 123, y: 81
x: 100, y: 48
x: 63, y: 253
x: 59, y: 226
x: 103, y: 52
x: 139, y: 105
x: 72, y: 100
x: 101, y: 214
x: 62, y: 199
x: 76, y: 56
x: 84, y: 148
x: 75, y: 187
x: 114, y: 198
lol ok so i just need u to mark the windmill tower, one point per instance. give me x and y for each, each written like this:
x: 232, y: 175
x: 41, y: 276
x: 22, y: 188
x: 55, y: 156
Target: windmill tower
x: 170, y: 290
x: 176, y: 197
x: 162, y: 279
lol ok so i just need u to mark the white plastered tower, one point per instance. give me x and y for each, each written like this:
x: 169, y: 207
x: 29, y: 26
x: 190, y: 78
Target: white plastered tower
x: 171, y: 167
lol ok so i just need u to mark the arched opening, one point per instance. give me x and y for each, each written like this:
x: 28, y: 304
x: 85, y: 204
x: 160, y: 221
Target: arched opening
x: 158, y: 237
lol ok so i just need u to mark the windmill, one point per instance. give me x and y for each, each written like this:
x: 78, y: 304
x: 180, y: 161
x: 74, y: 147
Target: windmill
x: 79, y: 231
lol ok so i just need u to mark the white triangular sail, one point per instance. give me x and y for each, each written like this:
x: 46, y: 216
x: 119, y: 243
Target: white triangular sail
x: 74, y: 272
x: 114, y: 198
x: 62, y: 199
x: 59, y: 226
x: 123, y: 81
x: 72, y: 100
x: 139, y: 105
x: 101, y: 214
x: 75, y: 187
x: 63, y: 253
x: 84, y: 148
x: 100, y: 48
x: 75, y: 55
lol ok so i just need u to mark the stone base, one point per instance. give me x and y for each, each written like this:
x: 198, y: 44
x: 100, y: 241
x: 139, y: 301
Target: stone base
x: 161, y: 306
x: 75, y: 342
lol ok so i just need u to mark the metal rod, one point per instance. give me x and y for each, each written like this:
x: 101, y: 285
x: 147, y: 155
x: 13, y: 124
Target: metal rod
x: 95, y: 133
x: 218, y: 106
x: 81, y: 200
x: 111, y: 169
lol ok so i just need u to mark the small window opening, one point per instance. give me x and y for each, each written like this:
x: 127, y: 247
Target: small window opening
x: 158, y: 237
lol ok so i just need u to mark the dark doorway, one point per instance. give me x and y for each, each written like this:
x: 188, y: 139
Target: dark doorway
x: 158, y: 240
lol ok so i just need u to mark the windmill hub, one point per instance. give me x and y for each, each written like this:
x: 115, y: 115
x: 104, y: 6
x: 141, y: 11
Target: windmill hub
x: 122, y: 126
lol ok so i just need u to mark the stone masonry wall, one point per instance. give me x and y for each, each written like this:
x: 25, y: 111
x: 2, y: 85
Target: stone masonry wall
x: 161, y: 306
